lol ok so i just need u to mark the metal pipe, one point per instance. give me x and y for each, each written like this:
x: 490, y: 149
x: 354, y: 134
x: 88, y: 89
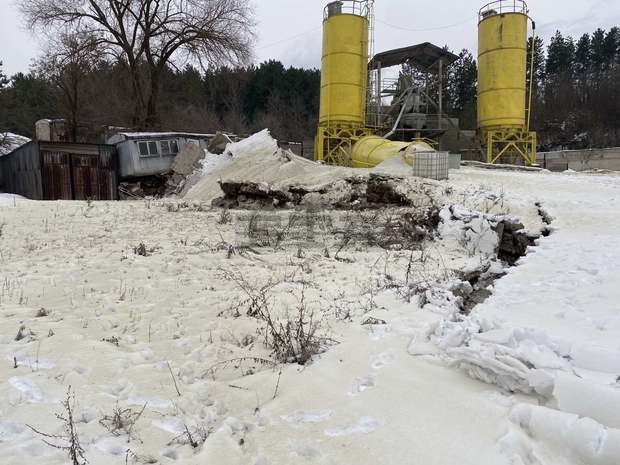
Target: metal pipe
x: 440, y: 91
x: 532, y: 76
x: 400, y: 115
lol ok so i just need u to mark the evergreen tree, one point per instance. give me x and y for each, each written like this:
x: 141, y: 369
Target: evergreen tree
x: 583, y: 66
x: 28, y: 99
x: 4, y: 80
x: 461, y: 89
x: 597, y: 50
x: 611, y: 47
x: 539, y: 62
x: 560, y: 56
x: 583, y: 56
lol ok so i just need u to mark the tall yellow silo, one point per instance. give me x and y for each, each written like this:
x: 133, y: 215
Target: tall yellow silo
x: 344, y: 67
x: 344, y: 78
x: 504, y: 98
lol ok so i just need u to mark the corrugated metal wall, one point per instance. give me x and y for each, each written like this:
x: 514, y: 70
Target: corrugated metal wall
x: 61, y: 171
x: 21, y: 172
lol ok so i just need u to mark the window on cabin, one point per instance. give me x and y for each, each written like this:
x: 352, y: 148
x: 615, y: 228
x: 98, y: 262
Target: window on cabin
x: 148, y: 149
x: 153, y: 150
x: 144, y: 149
x: 165, y: 147
x: 169, y: 147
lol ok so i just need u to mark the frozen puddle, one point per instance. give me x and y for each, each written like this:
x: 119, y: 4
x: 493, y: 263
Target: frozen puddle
x: 364, y: 425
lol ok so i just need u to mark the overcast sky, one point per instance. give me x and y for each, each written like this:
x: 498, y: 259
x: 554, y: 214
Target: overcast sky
x: 290, y: 30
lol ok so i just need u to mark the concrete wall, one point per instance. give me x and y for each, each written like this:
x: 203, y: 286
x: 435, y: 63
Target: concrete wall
x: 581, y: 160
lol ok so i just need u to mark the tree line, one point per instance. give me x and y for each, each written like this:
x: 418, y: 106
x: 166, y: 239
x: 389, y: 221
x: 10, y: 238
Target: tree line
x: 240, y: 100
x: 577, y: 90
x: 118, y: 65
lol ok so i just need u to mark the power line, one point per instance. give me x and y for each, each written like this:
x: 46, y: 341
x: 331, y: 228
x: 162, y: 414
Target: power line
x: 288, y: 39
x: 425, y: 29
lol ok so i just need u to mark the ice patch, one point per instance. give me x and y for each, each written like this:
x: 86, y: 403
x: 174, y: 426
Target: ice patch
x: 314, y: 416
x: 364, y: 425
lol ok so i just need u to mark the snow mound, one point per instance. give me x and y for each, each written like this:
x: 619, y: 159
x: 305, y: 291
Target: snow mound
x: 562, y: 435
x: 260, y: 143
x: 259, y: 161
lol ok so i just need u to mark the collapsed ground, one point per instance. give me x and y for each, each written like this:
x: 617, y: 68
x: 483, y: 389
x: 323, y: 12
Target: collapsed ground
x: 190, y: 333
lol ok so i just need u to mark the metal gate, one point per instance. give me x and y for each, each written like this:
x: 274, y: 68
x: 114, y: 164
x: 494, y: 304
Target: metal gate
x: 61, y: 171
x: 78, y: 172
x: 56, y: 176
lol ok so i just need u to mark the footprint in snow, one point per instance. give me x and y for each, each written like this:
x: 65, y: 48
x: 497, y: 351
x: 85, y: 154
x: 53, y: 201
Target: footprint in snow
x: 314, y: 416
x: 382, y: 360
x: 362, y: 384
x: 364, y: 425
x: 28, y: 391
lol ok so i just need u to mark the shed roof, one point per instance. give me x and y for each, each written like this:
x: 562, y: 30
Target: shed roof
x: 425, y: 56
x: 160, y: 135
x: 10, y: 142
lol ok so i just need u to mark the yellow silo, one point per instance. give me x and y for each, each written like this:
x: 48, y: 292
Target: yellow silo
x: 503, y: 95
x: 344, y: 78
x: 344, y: 70
x: 342, y: 136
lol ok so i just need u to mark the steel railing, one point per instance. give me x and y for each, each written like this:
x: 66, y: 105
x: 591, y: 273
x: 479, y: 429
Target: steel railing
x: 351, y: 7
x: 501, y: 7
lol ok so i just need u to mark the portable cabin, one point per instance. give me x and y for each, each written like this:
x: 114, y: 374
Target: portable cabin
x: 143, y: 154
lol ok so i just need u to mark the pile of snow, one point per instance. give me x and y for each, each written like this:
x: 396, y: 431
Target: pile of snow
x: 257, y: 144
x: 213, y: 162
x: 11, y: 199
x: 258, y: 159
x: 10, y: 142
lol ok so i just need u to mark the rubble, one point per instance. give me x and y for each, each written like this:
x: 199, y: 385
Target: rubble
x: 185, y: 163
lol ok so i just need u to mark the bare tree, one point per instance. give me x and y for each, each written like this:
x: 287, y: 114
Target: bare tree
x: 68, y: 59
x: 149, y: 35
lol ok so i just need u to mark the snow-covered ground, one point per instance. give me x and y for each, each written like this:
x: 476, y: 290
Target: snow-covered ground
x: 143, y: 306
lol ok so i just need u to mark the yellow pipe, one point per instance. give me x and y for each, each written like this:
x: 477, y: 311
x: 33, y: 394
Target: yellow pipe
x: 371, y: 151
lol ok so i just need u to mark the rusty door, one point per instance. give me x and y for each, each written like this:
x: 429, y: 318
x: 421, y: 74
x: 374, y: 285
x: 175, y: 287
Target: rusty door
x: 85, y: 173
x: 56, y: 176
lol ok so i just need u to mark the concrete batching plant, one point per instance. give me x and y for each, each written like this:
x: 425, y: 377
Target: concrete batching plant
x: 344, y: 135
x: 348, y: 135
